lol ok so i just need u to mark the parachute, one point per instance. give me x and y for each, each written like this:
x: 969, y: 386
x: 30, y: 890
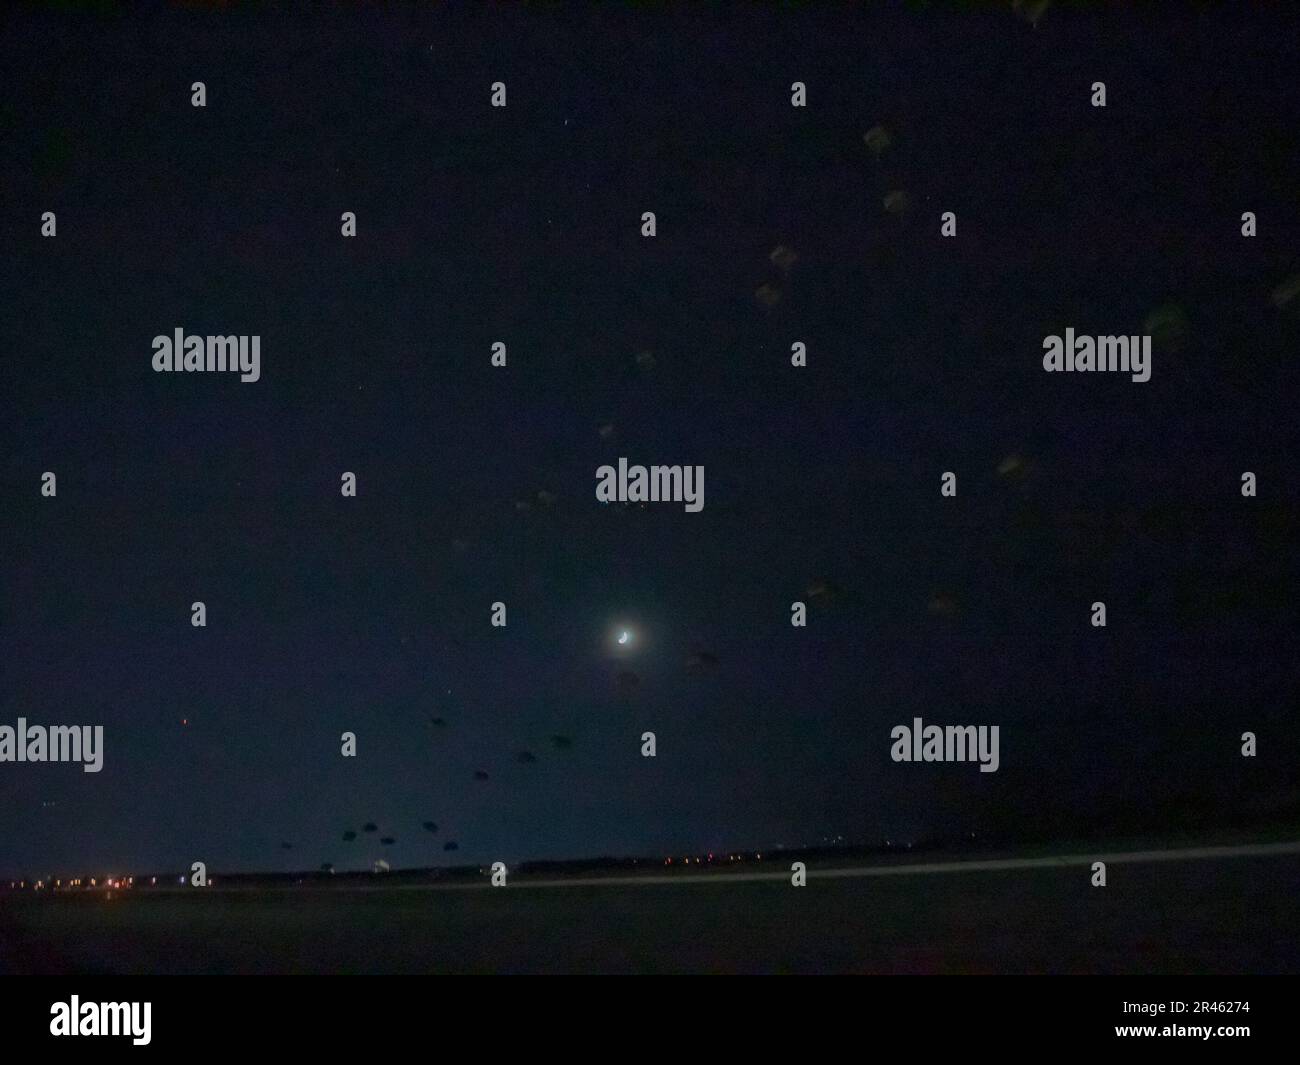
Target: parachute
x: 898, y: 202
x: 701, y: 661
x: 1286, y: 292
x: 878, y: 140
x: 1167, y: 326
x: 783, y: 257
x: 943, y: 605
x: 823, y: 593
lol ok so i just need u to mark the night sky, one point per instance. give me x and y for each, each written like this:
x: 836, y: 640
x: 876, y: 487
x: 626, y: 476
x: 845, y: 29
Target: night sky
x: 477, y: 224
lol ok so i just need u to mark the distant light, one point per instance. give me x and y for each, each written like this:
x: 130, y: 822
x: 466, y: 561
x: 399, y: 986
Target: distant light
x: 624, y: 636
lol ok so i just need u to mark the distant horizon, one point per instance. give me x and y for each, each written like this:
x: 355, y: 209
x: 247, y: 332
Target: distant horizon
x: 1256, y: 833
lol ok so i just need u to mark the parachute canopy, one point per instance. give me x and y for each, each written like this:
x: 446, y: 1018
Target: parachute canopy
x: 878, y: 140
x: 898, y: 202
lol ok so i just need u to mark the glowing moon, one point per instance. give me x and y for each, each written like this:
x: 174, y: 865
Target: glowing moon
x: 624, y: 636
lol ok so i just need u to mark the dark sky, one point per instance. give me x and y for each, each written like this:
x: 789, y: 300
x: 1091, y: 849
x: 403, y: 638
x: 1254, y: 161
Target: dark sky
x: 477, y: 224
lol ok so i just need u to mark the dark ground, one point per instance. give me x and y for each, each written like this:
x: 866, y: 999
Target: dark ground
x: 1233, y: 916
